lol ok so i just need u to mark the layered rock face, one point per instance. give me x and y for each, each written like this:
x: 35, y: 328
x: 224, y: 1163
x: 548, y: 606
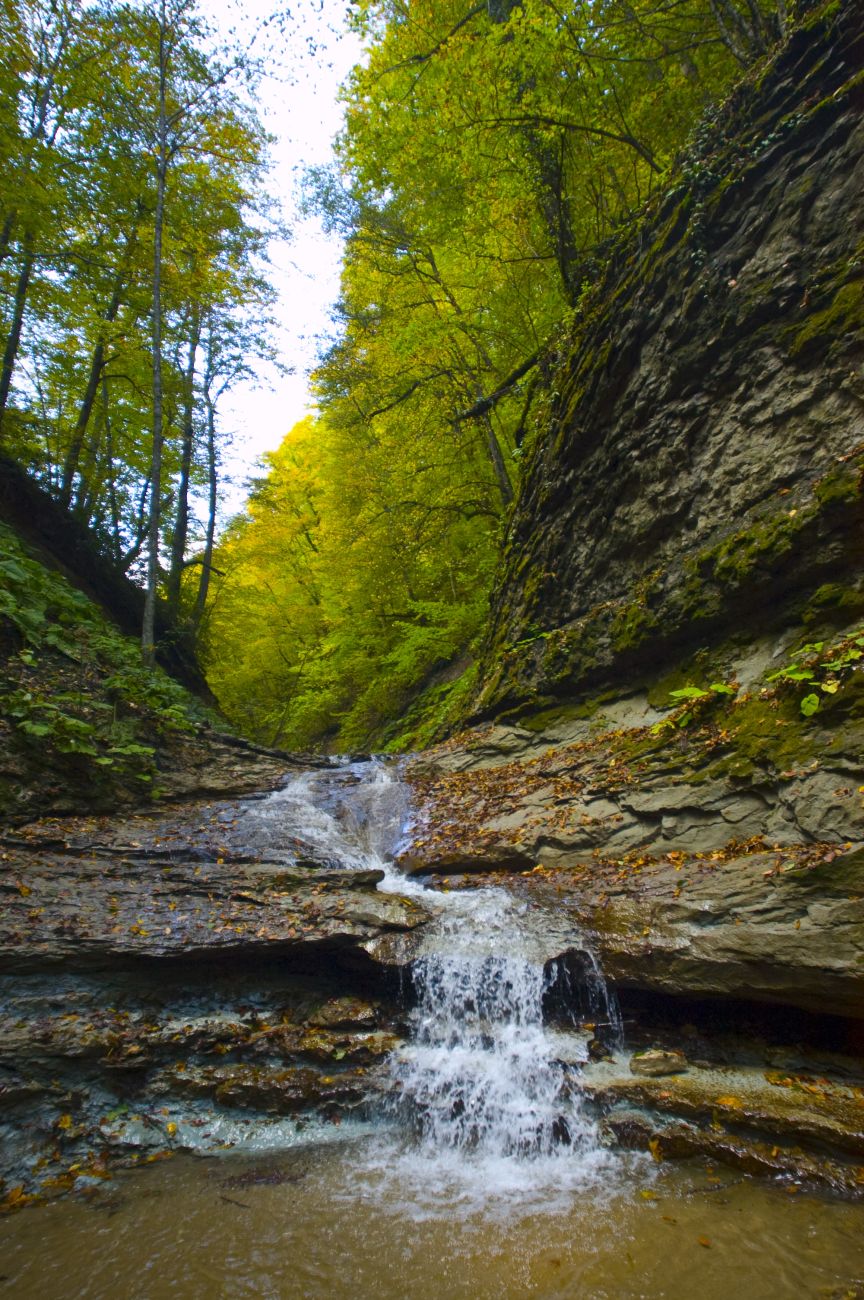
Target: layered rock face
x: 698, y: 465
x: 671, y: 716
x: 165, y: 987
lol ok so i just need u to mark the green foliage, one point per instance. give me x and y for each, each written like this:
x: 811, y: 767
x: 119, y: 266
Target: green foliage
x: 809, y: 705
x: 697, y: 693
x: 338, y: 599
x: 698, y: 699
x: 488, y: 152
x: 72, y: 684
x: 79, y: 111
x: 488, y: 155
x: 823, y: 665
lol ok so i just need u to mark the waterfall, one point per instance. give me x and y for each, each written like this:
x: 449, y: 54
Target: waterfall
x: 486, y: 1092
x: 481, y: 1073
x: 346, y: 815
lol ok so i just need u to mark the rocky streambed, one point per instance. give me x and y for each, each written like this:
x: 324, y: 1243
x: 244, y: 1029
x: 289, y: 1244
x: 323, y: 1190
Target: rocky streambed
x: 164, y: 990
x: 239, y: 976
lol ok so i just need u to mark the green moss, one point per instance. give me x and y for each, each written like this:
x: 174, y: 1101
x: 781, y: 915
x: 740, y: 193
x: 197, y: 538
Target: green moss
x: 768, y: 731
x: 699, y: 670
x: 584, y: 710
x: 818, y: 16
x: 432, y: 714
x: 843, y: 315
x: 746, y: 737
x: 833, y: 603
x: 760, y: 545
x: 632, y: 624
x: 841, y: 487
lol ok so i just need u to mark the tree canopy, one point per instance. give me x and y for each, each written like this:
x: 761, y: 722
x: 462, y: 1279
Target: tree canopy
x: 134, y: 223
x: 488, y: 153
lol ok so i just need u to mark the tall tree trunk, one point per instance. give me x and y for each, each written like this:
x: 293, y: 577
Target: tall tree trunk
x: 97, y: 362
x: 6, y: 235
x: 142, y: 524
x: 37, y: 135
x: 13, y: 339
x: 207, y: 563
x: 555, y: 208
x: 181, y: 522
x: 73, y: 453
x: 113, y: 503
x: 505, y: 487
x: 148, y: 629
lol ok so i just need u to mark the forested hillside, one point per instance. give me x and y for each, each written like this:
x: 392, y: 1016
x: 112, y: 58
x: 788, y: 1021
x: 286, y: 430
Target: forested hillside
x: 133, y: 233
x: 490, y: 154
x: 492, y: 159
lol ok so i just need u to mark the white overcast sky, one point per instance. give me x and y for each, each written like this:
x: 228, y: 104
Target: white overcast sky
x: 299, y: 106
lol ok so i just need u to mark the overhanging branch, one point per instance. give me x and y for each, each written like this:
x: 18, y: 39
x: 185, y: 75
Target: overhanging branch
x: 487, y: 403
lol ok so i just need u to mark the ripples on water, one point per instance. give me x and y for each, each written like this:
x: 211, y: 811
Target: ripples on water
x: 323, y: 1225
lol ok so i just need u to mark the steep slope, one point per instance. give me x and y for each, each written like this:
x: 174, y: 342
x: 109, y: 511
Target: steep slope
x: 83, y: 723
x: 671, y: 712
x: 698, y: 465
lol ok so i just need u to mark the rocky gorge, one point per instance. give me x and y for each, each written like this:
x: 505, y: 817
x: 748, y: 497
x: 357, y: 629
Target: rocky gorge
x: 660, y: 771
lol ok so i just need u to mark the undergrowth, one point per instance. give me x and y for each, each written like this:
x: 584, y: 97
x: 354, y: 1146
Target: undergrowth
x: 74, y: 691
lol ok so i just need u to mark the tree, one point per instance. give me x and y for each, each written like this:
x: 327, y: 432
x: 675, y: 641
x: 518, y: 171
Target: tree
x: 194, y: 104
x: 135, y: 210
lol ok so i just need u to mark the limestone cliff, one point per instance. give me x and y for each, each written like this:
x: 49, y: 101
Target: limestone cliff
x: 697, y: 470
x: 671, y: 715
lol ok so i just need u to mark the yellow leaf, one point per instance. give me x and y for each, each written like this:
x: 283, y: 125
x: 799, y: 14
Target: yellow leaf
x: 171, y: 1128
x: 64, y: 1122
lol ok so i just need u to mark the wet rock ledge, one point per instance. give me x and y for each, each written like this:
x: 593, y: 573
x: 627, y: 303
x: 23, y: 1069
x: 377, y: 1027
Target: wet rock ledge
x: 162, y: 990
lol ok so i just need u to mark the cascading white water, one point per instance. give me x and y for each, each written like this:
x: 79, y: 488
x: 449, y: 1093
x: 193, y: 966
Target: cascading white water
x: 489, y: 1092
x: 481, y: 1073
x: 346, y: 814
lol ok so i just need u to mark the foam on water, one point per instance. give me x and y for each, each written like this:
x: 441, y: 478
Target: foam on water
x: 495, y: 1113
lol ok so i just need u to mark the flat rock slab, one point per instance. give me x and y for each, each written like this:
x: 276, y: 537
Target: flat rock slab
x: 84, y: 894
x: 804, y: 1128
x: 784, y: 927
x: 615, y: 793
x: 825, y: 1113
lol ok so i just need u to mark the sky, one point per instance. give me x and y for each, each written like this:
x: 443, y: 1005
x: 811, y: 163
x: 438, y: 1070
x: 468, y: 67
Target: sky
x: 299, y: 106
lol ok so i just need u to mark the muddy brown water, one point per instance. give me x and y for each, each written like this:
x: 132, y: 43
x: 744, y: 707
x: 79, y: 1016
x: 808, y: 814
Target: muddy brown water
x: 336, y: 1222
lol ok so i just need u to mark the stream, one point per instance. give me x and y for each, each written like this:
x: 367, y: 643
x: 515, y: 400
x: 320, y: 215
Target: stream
x: 478, y: 1171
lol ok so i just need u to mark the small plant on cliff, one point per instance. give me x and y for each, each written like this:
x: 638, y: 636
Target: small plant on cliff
x: 822, y: 667
x: 692, y: 702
